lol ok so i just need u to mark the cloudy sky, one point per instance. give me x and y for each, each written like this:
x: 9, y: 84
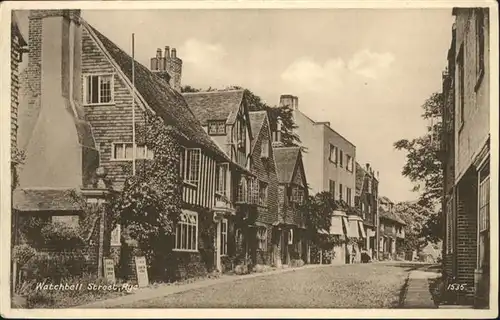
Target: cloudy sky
x: 367, y: 71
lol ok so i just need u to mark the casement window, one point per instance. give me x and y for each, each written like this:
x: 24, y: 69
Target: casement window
x: 186, y: 232
x: 223, y: 237
x: 262, y: 193
x: 125, y: 151
x: 216, y: 127
x: 334, y: 152
x: 349, y: 163
x: 341, y: 158
x: 332, y: 188
x: 340, y: 192
x: 479, y: 30
x: 190, y: 165
x: 290, y: 236
x: 98, y: 89
x: 262, y: 238
x: 348, y: 196
x: 461, y: 87
x: 242, y: 192
x: 221, y: 175
x: 297, y: 195
x: 484, y: 218
x: 241, y: 133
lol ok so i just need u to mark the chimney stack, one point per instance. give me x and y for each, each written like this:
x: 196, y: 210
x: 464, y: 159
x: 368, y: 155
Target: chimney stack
x: 368, y: 167
x: 55, y: 97
x: 289, y: 100
x: 168, y: 67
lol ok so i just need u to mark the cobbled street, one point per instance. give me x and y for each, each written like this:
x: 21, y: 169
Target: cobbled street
x: 345, y: 286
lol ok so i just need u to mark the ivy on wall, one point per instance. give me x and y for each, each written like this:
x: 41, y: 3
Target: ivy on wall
x: 150, y: 203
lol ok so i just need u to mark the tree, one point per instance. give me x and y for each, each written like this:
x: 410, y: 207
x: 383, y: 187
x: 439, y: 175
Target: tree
x: 416, y: 218
x: 423, y: 165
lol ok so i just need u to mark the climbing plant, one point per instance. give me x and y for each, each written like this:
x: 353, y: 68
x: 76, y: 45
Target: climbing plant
x: 150, y: 202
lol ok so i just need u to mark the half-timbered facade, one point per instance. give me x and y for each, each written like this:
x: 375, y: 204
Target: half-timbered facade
x: 93, y: 110
x: 391, y: 230
x: 225, y: 118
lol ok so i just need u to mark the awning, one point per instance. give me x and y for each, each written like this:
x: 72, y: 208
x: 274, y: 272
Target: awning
x: 361, y: 229
x: 352, y: 230
x: 339, y: 213
x: 322, y: 231
x: 336, y: 227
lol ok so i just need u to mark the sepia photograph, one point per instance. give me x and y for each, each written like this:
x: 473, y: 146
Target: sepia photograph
x: 225, y: 155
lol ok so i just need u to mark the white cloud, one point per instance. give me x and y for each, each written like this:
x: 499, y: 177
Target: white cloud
x: 370, y: 64
x: 201, y: 53
x: 307, y: 74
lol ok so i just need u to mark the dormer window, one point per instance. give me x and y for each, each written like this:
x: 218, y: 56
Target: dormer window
x: 98, y: 89
x: 217, y: 127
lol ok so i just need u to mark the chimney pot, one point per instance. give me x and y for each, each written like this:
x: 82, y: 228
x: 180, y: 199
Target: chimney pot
x: 167, y: 52
x: 158, y: 53
x: 368, y: 167
x: 174, y: 53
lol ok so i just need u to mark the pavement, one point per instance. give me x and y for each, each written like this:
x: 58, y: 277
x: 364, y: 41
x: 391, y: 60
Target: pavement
x: 169, y: 289
x: 418, y: 295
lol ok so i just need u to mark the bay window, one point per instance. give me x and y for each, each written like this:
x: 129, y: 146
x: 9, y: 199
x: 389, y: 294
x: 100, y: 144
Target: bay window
x: 186, y: 232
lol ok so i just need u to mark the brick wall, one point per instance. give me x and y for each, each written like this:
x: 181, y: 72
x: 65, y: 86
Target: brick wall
x: 466, y: 237
x: 15, y: 59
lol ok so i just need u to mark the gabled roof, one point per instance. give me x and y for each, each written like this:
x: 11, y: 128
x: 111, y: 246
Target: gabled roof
x: 286, y: 161
x: 360, y: 178
x: 159, y: 96
x: 215, y: 105
x: 390, y: 215
x: 256, y: 121
x: 15, y: 27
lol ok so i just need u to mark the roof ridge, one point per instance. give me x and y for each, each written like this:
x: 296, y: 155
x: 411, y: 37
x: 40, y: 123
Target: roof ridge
x: 215, y: 91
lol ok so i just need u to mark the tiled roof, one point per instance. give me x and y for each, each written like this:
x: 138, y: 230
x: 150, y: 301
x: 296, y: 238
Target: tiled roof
x: 256, y: 121
x: 215, y: 105
x: 390, y: 216
x: 360, y: 178
x: 165, y: 101
x: 15, y: 27
x: 44, y: 200
x: 286, y: 160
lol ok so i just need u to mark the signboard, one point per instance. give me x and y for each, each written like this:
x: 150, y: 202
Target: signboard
x: 142, y: 271
x: 109, y: 270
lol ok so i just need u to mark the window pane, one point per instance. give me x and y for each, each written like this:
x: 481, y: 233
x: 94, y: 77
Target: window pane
x: 119, y: 151
x: 94, y: 83
x: 140, y: 152
x: 193, y: 235
x: 105, y: 89
x: 128, y: 151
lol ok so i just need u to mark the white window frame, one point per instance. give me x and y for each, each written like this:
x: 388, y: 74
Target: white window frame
x: 221, y: 186
x: 216, y: 125
x: 334, y: 152
x: 188, y: 222
x: 348, y: 194
x: 290, y: 236
x: 145, y: 155
x: 186, y: 175
x: 223, y: 237
x: 263, y: 193
x: 262, y: 238
x: 99, y: 75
